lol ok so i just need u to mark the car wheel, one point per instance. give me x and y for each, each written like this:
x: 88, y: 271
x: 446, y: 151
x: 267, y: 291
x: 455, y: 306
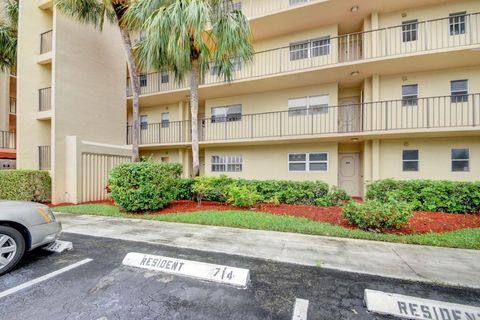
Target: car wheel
x: 12, y: 248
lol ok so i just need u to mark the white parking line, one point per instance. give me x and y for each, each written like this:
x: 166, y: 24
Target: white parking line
x: 43, y: 278
x: 301, y: 309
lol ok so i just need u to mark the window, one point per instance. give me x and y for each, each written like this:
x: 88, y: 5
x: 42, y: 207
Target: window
x: 237, y: 6
x: 227, y: 163
x: 227, y: 113
x: 143, y: 80
x: 457, y: 23
x: 165, y: 120
x: 459, y: 91
x: 215, y: 69
x: 308, y: 162
x: 320, y: 47
x: 164, y: 77
x: 297, y: 2
x: 410, y: 160
x: 410, y: 30
x: 310, y: 48
x: 308, y: 105
x: 143, y: 122
x: 409, y: 95
x: 460, y: 159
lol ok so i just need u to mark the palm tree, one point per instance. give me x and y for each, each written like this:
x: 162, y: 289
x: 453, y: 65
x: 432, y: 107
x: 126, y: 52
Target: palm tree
x: 8, y: 35
x: 95, y: 12
x: 189, y: 37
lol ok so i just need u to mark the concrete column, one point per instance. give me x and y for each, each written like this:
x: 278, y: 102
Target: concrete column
x: 367, y: 165
x: 375, y: 40
x: 4, y: 101
x: 375, y: 87
x: 376, y: 160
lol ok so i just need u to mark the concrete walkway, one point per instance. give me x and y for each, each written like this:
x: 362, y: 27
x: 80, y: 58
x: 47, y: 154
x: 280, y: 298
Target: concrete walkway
x: 419, y: 263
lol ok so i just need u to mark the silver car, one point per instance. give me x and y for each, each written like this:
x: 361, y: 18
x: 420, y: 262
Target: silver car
x: 24, y: 226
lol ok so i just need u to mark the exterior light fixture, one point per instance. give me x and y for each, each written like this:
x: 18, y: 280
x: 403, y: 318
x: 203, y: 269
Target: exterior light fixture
x: 354, y: 8
x: 354, y: 73
x: 354, y: 139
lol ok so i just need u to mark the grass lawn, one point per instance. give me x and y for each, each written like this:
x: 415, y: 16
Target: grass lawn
x: 465, y: 238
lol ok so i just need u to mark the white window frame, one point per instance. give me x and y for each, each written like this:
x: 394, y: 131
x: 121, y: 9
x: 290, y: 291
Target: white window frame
x: 455, y: 95
x: 452, y: 160
x: 165, y: 119
x: 227, y: 160
x: 308, y: 162
x: 309, y: 110
x: 310, y: 48
x: 408, y: 160
x: 164, y: 77
x: 410, y: 100
x: 410, y: 31
x: 143, y: 124
x: 224, y: 118
x: 236, y: 66
x: 143, y: 80
x: 452, y: 22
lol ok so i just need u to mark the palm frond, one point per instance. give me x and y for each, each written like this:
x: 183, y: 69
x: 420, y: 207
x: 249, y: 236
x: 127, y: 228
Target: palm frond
x: 178, y: 33
x: 92, y: 12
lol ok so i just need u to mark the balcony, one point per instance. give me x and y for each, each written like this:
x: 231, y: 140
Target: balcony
x: 45, y: 99
x: 432, y: 36
x: 46, y: 42
x: 44, y: 158
x: 13, y: 105
x: 444, y: 113
x: 7, y: 140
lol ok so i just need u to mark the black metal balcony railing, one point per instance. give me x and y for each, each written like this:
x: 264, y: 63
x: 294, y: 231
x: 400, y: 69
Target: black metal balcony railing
x: 44, y: 158
x: 416, y: 37
x: 13, y: 105
x: 8, y: 140
x: 45, y: 99
x: 375, y: 117
x: 46, y: 40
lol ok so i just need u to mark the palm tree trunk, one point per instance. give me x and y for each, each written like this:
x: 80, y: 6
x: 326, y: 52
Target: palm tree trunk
x: 135, y: 85
x: 194, y: 83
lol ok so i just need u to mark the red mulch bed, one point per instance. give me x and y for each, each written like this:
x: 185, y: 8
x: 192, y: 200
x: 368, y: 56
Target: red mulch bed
x: 422, y: 222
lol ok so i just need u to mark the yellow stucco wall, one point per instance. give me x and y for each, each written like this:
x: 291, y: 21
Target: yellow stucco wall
x: 271, y: 161
x: 434, y: 156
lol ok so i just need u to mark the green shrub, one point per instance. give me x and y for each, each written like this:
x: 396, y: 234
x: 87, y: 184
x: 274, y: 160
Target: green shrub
x: 25, y: 185
x: 429, y: 195
x: 242, y: 196
x: 212, y: 188
x: 273, y: 191
x: 184, y: 189
x: 378, y: 214
x: 144, y: 186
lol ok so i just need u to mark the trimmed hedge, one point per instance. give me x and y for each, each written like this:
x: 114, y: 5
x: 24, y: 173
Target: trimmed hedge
x: 25, y: 185
x: 429, y: 195
x: 144, y: 186
x: 275, y: 191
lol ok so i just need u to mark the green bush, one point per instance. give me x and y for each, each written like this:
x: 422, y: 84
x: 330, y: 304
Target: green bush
x: 242, y: 196
x: 273, y: 191
x: 144, y: 186
x: 184, y: 189
x: 429, y: 195
x: 25, y: 185
x: 212, y: 188
x: 378, y: 214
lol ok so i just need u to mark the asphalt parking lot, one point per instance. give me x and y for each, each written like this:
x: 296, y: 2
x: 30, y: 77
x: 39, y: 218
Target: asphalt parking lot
x: 103, y: 288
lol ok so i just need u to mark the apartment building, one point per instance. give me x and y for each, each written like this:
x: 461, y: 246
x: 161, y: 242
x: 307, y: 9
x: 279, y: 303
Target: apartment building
x: 346, y: 91
x: 8, y: 121
x: 343, y: 91
x: 71, y: 101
